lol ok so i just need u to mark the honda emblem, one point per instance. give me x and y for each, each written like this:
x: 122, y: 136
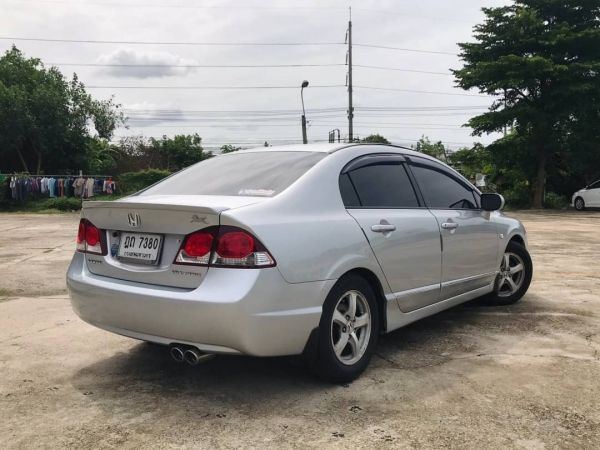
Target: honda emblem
x: 134, y: 220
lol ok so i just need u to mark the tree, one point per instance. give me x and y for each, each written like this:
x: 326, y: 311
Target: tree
x: 435, y: 149
x: 136, y: 153
x: 47, y: 122
x: 541, y: 60
x: 227, y: 148
x: 375, y: 139
x: 471, y: 161
x: 178, y: 152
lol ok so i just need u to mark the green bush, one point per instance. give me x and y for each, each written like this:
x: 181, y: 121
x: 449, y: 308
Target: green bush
x: 517, y: 199
x: 131, y: 182
x: 60, y: 203
x: 555, y: 201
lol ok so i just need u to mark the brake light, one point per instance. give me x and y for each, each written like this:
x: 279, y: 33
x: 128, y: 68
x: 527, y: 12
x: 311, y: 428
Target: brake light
x: 81, y: 236
x: 224, y: 246
x: 89, y: 238
x: 196, y: 248
x: 235, y: 244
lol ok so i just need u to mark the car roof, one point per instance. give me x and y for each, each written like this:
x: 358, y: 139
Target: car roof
x: 332, y: 148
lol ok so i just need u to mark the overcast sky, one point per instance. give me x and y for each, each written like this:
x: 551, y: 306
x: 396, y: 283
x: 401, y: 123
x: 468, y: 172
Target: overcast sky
x: 222, y: 116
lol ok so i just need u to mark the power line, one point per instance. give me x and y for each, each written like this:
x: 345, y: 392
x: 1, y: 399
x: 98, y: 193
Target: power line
x: 214, y: 87
x: 91, y: 41
x: 189, y: 66
x: 402, y: 69
x: 251, y: 7
x: 241, y: 66
x: 405, y: 49
x: 419, y: 92
x: 180, y: 6
x: 420, y: 108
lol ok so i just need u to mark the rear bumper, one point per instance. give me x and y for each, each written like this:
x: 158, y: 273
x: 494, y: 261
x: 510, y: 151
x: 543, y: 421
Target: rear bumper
x: 247, y: 311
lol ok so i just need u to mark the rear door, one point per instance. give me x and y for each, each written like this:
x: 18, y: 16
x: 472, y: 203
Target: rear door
x: 469, y: 238
x: 403, y: 234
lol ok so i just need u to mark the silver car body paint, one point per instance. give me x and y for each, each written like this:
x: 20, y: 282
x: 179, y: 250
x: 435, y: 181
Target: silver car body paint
x: 314, y: 239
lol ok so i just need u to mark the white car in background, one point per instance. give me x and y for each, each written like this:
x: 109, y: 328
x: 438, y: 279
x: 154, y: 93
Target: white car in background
x: 587, y: 197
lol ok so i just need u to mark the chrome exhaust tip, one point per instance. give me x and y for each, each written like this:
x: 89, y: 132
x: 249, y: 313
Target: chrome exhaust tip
x: 177, y: 354
x: 193, y: 356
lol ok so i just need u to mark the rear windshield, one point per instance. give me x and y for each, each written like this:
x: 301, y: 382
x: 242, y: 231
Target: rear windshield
x: 254, y: 174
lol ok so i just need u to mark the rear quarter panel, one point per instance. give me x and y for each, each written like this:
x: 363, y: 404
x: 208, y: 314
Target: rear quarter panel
x: 307, y: 228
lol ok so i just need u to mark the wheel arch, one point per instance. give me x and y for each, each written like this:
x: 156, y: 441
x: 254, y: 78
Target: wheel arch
x: 377, y: 287
x: 518, y: 239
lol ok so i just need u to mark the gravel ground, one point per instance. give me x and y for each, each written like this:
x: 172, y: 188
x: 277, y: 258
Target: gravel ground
x: 525, y: 376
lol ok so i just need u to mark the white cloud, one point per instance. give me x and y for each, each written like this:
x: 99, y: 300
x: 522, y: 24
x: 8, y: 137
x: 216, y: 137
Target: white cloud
x: 427, y: 24
x: 123, y: 61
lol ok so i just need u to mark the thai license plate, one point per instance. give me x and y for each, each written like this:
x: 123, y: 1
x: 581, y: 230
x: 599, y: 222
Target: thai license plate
x: 140, y: 247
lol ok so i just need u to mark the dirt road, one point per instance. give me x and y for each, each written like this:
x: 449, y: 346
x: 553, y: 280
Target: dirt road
x: 526, y: 376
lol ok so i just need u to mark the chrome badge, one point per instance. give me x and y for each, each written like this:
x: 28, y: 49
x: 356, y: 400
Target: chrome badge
x: 134, y: 220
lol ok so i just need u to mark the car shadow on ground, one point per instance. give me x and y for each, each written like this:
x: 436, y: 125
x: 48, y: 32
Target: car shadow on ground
x: 146, y: 371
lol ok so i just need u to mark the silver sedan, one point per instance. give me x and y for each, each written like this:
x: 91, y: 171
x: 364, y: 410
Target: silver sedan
x: 312, y: 249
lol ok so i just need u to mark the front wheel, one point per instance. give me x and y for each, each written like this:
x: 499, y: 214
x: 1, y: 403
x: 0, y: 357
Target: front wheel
x: 348, y: 330
x: 579, y: 204
x: 514, y: 277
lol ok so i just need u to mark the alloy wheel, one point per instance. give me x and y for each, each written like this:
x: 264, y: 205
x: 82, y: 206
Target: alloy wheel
x: 579, y: 204
x: 351, y: 327
x: 512, y: 274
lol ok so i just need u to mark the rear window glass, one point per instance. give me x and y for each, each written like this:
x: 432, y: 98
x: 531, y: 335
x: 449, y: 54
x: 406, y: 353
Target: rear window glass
x: 253, y: 174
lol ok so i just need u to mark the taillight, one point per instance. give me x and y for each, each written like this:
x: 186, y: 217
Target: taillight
x: 81, y: 236
x: 89, y: 238
x: 196, y: 248
x: 224, y: 246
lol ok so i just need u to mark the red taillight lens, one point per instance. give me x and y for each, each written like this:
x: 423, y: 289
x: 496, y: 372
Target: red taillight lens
x: 81, y: 232
x: 235, y: 244
x: 198, y: 244
x: 81, y: 237
x: 92, y: 235
x: 224, y: 246
x: 89, y: 238
x: 196, y: 248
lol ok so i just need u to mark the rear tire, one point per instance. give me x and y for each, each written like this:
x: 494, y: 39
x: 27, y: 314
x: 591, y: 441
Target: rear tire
x: 348, y: 330
x: 514, y: 278
x: 579, y: 204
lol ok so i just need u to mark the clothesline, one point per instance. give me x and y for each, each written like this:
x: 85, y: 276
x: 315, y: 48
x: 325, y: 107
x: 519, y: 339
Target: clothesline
x: 68, y: 175
x: 82, y: 186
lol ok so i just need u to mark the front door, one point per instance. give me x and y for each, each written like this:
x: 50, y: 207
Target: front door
x: 403, y: 234
x: 469, y: 238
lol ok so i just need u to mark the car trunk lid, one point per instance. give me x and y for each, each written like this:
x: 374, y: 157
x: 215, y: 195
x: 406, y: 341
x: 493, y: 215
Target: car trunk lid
x: 164, y: 218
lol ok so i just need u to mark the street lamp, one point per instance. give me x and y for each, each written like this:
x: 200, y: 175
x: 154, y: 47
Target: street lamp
x: 304, y: 138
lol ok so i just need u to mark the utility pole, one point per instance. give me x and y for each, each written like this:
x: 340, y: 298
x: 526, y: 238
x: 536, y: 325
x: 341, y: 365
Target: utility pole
x: 304, y: 138
x: 350, y: 107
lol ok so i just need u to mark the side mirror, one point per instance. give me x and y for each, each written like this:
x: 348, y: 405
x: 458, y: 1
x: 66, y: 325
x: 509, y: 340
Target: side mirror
x: 492, y: 202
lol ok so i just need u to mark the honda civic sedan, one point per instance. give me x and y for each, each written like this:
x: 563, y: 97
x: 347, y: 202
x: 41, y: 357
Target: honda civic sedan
x: 311, y: 250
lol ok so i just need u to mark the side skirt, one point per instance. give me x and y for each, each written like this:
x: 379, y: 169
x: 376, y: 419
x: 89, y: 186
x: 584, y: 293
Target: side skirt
x: 397, y: 319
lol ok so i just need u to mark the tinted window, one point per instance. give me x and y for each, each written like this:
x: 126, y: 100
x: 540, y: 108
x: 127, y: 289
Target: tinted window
x: 442, y: 191
x: 348, y: 192
x: 261, y: 174
x: 383, y: 186
x: 595, y: 185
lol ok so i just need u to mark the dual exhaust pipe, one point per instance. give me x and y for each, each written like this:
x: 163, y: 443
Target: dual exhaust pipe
x: 190, y: 355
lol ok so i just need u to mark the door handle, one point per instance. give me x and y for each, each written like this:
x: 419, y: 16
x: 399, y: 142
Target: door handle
x: 449, y: 225
x: 383, y: 228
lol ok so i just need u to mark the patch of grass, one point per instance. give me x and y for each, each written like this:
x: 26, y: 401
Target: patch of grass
x: 52, y: 205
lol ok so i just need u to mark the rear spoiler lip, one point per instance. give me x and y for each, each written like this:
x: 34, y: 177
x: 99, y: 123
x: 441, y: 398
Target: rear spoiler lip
x: 166, y: 206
